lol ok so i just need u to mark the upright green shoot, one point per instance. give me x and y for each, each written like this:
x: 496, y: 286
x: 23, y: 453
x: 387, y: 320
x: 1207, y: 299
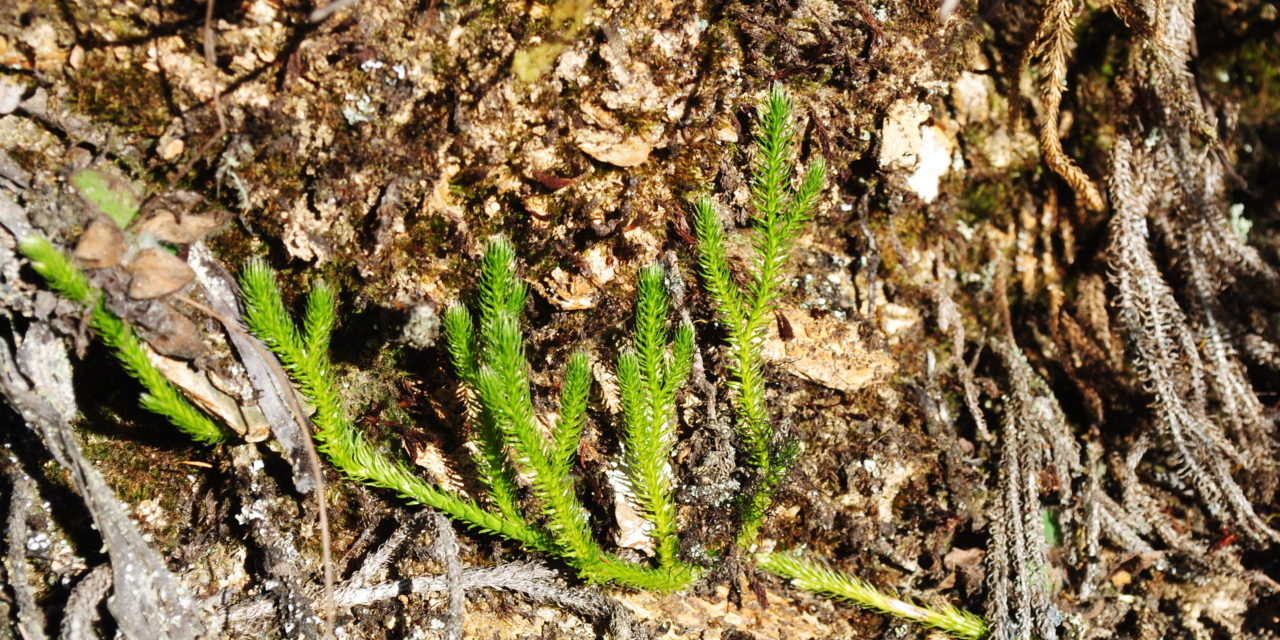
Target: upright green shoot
x: 781, y: 210
x: 498, y: 293
x: 648, y: 378
x: 509, y: 437
x: 497, y: 375
x: 490, y: 455
x: 488, y: 352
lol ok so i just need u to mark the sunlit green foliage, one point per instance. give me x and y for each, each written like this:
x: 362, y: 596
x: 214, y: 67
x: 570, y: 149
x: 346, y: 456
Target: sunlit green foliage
x: 781, y: 210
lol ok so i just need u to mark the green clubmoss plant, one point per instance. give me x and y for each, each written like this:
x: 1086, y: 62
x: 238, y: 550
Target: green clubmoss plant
x: 304, y: 354
x: 487, y: 349
x: 488, y: 352
x: 160, y: 396
x: 781, y: 210
x: 810, y: 576
x: 492, y: 365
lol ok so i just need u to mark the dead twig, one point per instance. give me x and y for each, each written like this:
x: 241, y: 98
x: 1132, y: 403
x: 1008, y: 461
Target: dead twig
x: 534, y: 581
x: 30, y: 617
x: 1051, y: 42
x: 326, y: 544
x: 379, y: 559
x: 149, y: 601
x: 446, y: 549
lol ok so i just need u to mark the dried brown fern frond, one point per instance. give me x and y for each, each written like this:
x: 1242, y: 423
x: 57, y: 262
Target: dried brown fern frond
x: 1166, y: 349
x: 1126, y: 528
x: 1034, y: 437
x: 1145, y: 503
x: 1160, y: 55
x: 1050, y: 46
x: 1186, y: 348
x: 1083, y: 357
x: 1230, y: 391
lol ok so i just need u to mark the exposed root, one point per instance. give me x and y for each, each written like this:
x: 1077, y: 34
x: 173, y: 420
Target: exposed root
x: 81, y: 612
x: 446, y: 548
x: 21, y: 498
x: 149, y: 601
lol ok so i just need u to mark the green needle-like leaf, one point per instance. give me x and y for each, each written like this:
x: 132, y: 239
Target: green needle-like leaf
x: 500, y: 290
x: 319, y: 321
x: 573, y: 411
x: 460, y: 335
x: 490, y: 455
x: 648, y: 377
x: 771, y: 176
x: 681, y: 360
x: 714, y: 262
x: 492, y: 364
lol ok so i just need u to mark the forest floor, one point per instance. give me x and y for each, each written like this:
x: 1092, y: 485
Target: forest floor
x: 963, y: 347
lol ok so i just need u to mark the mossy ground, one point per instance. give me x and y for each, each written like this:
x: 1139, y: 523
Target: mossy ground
x: 380, y: 148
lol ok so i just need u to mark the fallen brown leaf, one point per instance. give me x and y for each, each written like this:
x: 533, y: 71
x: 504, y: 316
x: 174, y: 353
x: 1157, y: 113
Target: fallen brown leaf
x: 156, y: 273
x: 185, y: 229
x: 101, y: 245
x: 246, y: 421
x: 174, y: 334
